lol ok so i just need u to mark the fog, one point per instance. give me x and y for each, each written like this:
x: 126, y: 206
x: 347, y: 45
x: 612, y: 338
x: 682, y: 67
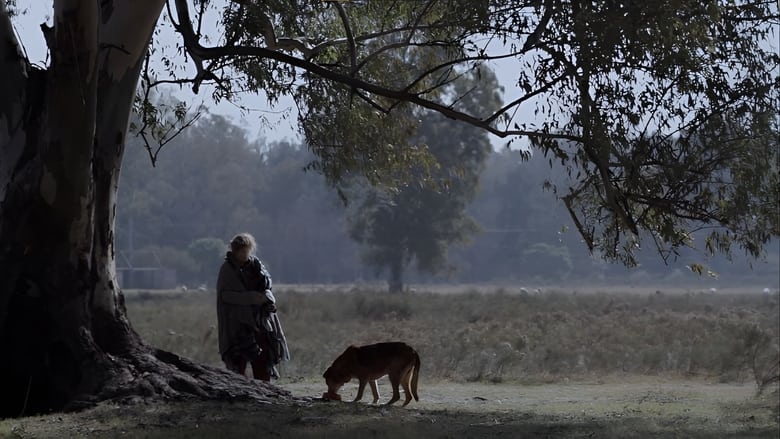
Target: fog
x: 212, y: 182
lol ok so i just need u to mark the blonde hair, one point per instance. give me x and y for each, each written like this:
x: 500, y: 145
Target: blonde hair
x: 243, y: 240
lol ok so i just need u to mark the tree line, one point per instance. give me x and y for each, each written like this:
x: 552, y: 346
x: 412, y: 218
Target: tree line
x: 213, y: 181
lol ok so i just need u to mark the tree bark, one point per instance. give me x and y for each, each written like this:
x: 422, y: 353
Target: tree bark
x: 64, y: 336
x: 13, y: 97
x: 395, y: 281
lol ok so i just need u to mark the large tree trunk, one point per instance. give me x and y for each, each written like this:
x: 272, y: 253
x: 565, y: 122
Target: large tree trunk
x: 65, y: 340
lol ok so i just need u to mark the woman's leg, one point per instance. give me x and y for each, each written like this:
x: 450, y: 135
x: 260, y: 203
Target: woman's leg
x: 235, y: 364
x: 260, y: 363
x: 260, y: 367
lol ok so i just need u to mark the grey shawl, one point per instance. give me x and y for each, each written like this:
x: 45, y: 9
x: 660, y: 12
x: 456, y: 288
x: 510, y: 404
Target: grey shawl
x: 274, y: 340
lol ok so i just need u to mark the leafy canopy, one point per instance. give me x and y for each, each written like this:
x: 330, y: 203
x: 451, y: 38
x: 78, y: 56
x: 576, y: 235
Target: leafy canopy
x: 664, y: 113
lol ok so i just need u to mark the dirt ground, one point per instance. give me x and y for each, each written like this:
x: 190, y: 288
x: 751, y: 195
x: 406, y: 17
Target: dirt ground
x: 624, y: 408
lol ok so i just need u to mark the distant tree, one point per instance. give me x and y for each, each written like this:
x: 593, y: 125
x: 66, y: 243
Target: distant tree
x: 212, y: 181
x: 515, y: 214
x: 207, y: 253
x: 304, y: 239
x: 201, y: 185
x: 545, y: 261
x: 186, y: 267
x: 419, y: 220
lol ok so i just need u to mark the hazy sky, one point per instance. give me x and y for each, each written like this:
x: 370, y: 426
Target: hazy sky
x: 281, y: 127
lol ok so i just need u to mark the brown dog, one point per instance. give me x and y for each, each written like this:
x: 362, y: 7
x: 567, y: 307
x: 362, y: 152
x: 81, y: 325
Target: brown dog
x: 368, y: 363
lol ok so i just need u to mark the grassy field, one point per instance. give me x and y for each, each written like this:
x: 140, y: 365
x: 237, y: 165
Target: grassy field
x: 495, y: 363
x: 502, y: 336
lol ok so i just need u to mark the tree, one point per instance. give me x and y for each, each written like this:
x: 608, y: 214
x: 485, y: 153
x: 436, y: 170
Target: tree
x: 201, y: 186
x: 516, y: 215
x: 212, y: 181
x: 667, y: 114
x: 419, y: 220
x: 626, y: 85
x: 207, y: 252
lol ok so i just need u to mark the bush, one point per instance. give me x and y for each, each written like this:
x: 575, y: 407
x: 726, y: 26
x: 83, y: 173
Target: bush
x: 548, y: 261
x: 762, y: 356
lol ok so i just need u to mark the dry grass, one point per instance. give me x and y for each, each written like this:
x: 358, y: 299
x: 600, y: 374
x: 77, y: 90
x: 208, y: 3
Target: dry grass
x: 502, y: 336
x: 609, y: 365
x: 446, y: 410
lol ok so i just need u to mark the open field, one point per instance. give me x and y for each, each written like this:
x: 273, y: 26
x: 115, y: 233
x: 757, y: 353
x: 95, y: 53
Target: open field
x: 501, y: 336
x: 611, y: 410
x: 505, y: 363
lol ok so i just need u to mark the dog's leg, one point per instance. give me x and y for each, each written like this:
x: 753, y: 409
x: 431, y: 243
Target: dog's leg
x: 374, y: 390
x: 361, y: 387
x: 394, y: 381
x: 405, y: 382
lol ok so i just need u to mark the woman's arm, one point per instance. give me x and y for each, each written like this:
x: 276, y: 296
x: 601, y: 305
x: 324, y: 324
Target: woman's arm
x: 228, y: 293
x: 263, y: 272
x: 243, y: 297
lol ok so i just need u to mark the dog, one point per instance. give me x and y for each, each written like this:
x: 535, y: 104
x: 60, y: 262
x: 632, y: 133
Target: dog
x: 367, y: 363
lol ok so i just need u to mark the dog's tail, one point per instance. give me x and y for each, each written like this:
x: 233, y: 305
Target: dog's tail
x: 415, y: 376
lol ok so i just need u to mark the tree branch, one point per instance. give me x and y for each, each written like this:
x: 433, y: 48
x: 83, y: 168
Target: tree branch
x: 274, y: 43
x: 527, y: 96
x: 454, y: 62
x: 194, y: 47
x: 350, y: 38
x: 420, y: 16
x: 362, y: 38
x: 155, y: 127
x: 186, y: 23
x: 535, y: 36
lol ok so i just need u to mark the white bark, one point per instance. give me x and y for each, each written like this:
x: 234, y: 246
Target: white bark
x: 125, y: 33
x: 125, y: 30
x: 70, y: 121
x: 13, y: 70
x: 75, y: 24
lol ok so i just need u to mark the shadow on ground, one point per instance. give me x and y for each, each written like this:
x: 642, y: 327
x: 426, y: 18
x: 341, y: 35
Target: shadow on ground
x: 316, y: 419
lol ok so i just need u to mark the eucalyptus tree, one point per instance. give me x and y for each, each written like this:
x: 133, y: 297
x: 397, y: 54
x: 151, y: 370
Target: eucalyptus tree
x: 665, y: 113
x: 419, y: 220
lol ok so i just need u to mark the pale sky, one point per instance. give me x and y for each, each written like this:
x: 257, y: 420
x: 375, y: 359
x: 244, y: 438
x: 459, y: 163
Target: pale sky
x: 281, y: 127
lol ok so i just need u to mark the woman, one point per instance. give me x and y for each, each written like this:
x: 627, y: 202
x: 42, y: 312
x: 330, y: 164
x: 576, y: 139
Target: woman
x: 249, y: 329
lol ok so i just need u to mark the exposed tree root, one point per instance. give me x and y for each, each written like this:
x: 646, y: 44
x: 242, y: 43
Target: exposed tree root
x: 150, y: 373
